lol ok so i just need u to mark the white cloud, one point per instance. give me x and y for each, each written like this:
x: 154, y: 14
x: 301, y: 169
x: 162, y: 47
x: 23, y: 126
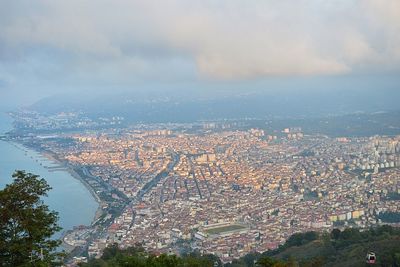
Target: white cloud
x: 226, y: 39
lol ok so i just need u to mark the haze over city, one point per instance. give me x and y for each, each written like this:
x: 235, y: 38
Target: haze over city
x: 93, y: 47
x: 209, y: 133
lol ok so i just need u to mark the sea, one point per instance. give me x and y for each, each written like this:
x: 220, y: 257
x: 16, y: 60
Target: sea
x: 69, y: 197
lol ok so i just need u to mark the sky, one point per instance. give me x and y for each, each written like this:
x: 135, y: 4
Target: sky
x: 90, y: 46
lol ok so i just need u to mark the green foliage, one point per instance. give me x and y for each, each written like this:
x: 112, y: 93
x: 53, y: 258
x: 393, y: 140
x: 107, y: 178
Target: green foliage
x: 275, y: 212
x: 295, y: 240
x: 338, y: 248
x: 349, y: 247
x: 335, y: 234
x: 269, y: 262
x: 136, y: 256
x: 390, y: 217
x: 299, y: 239
x: 26, y: 224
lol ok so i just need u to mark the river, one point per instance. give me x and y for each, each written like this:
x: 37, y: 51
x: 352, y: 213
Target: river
x: 69, y: 197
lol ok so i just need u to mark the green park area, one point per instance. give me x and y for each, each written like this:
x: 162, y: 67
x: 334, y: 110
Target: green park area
x: 223, y: 229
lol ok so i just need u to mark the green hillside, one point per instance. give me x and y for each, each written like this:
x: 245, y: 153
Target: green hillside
x: 338, y: 248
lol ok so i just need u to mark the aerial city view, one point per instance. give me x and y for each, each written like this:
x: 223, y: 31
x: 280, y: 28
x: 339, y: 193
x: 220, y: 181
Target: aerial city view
x: 183, y: 133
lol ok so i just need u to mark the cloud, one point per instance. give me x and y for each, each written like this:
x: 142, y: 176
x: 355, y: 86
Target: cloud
x: 226, y: 39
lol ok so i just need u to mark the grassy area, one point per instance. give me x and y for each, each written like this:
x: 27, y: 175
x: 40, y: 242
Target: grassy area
x: 223, y: 229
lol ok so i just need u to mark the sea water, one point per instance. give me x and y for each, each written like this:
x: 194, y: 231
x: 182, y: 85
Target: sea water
x: 68, y: 196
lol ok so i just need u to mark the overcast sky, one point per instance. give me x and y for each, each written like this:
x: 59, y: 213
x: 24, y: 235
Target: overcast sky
x: 51, y: 47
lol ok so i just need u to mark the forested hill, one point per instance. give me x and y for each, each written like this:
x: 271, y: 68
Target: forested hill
x: 342, y: 248
x: 338, y: 248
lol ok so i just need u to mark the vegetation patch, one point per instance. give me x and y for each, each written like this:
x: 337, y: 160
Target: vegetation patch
x: 224, y: 229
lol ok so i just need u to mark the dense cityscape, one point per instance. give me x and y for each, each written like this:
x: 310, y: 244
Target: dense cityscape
x: 200, y: 133
x: 217, y: 189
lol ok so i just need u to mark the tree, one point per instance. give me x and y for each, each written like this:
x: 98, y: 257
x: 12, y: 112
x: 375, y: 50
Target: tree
x: 335, y: 234
x: 269, y: 262
x: 26, y: 223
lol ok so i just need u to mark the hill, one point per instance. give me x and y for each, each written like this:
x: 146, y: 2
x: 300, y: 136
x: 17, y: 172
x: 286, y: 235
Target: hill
x: 338, y: 248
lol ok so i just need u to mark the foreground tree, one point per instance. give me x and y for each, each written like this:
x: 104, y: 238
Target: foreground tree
x: 26, y: 224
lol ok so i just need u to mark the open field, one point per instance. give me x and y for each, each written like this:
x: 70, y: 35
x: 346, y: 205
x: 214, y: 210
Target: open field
x: 223, y: 229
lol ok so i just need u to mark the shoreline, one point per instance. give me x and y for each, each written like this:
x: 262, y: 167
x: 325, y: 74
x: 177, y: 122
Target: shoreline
x: 99, y: 210
x: 53, y: 158
x: 71, y: 170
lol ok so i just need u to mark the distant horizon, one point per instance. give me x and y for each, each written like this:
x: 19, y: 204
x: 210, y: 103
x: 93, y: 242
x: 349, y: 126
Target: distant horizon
x: 196, y: 105
x: 92, y: 48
